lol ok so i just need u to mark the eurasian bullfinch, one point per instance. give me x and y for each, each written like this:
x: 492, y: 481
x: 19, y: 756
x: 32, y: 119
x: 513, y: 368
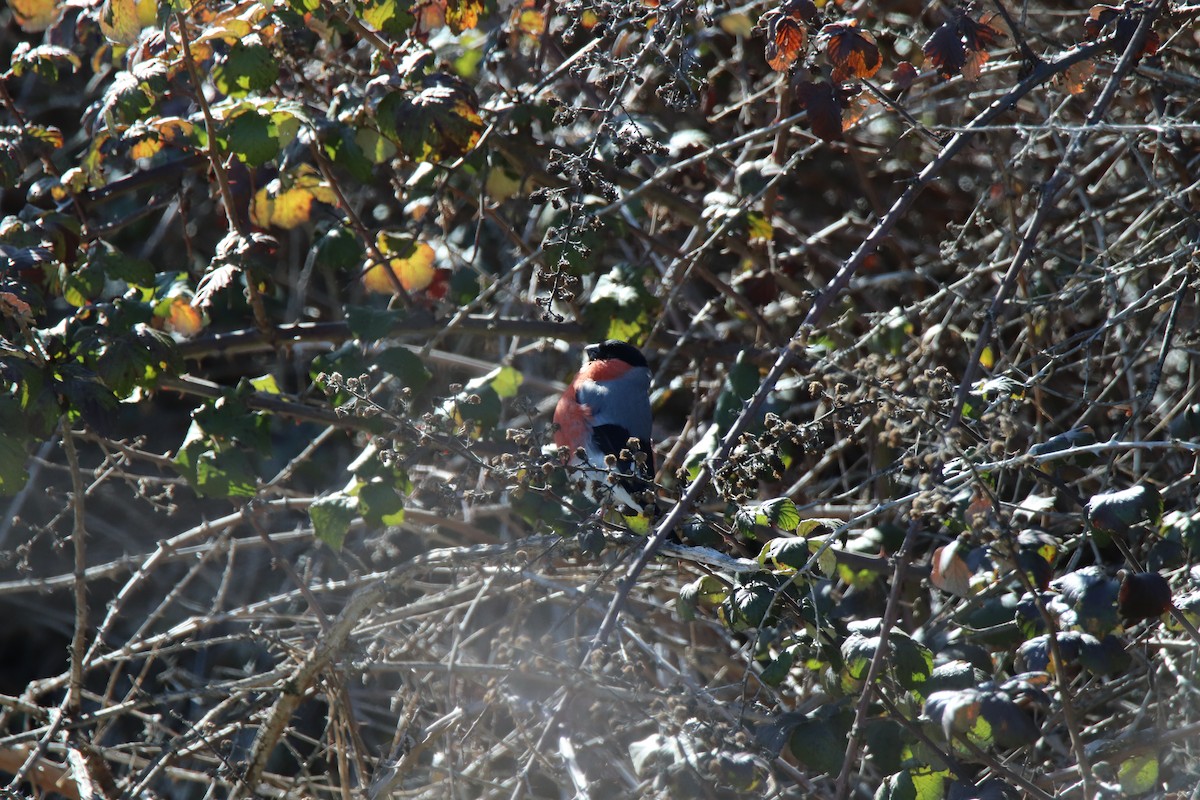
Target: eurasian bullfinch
x: 605, y: 414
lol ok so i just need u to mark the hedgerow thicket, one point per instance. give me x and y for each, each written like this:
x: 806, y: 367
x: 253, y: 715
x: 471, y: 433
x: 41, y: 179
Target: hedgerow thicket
x: 288, y: 289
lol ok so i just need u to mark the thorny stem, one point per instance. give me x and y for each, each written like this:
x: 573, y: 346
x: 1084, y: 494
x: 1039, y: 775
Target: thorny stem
x: 216, y: 159
x: 361, y: 229
x: 1052, y: 190
x: 791, y: 352
x: 79, y: 544
x: 891, y: 613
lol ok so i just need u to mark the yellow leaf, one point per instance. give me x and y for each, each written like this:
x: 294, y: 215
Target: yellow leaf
x: 463, y: 14
x: 987, y: 359
x: 230, y: 31
x: 412, y: 265
x: 760, y: 227
x: 266, y: 383
x: 286, y: 202
x: 506, y: 382
x: 119, y: 21
x: 35, y: 16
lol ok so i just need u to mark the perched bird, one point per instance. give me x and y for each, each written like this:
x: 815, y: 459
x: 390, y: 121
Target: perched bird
x: 604, y: 420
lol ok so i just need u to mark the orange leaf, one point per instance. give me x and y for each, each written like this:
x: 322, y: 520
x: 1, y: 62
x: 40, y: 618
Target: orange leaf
x: 852, y: 52
x: 785, y: 42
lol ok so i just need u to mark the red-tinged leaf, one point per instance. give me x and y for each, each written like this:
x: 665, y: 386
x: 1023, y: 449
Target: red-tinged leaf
x: 852, y: 52
x: 824, y: 110
x: 977, y: 35
x: 785, y: 43
x: 958, y: 45
x: 903, y: 76
x: 945, y: 50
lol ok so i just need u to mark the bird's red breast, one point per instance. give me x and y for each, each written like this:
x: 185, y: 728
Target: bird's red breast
x: 572, y: 417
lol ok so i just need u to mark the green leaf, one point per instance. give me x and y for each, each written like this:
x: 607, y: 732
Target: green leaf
x: 777, y: 670
x: 819, y: 742
x: 340, y: 249
x: 1117, y: 512
x: 213, y: 470
x: 748, y: 605
x: 740, y: 385
x: 249, y: 67
x: 620, y: 307
x: 43, y: 61
x: 779, y: 513
x: 380, y: 503
x: 250, y: 136
x: 115, y: 265
x: 369, y: 323
x: 406, y: 366
x: 331, y: 517
x: 785, y: 554
x: 388, y: 16
x: 1138, y: 774
x: 13, y: 460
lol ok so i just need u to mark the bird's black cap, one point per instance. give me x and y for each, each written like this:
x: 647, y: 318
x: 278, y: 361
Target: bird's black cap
x: 615, y: 348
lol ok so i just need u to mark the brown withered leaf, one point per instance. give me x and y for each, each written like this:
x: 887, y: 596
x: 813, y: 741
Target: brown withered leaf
x: 823, y: 107
x: 852, y: 52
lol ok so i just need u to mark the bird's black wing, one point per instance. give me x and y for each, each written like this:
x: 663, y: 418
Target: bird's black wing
x: 612, y: 439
